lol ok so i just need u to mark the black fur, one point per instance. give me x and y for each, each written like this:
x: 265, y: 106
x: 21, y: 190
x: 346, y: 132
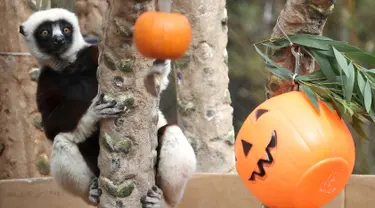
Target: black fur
x: 22, y: 31
x: 64, y: 96
x: 46, y: 43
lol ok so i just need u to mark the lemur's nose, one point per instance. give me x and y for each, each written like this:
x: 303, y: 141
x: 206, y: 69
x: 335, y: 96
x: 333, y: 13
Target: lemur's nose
x: 58, y: 39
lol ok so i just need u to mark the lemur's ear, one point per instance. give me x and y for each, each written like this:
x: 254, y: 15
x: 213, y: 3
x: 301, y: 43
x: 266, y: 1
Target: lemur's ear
x: 22, y: 31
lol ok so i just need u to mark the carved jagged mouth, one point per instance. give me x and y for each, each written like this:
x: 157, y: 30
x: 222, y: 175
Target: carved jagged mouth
x: 268, y: 160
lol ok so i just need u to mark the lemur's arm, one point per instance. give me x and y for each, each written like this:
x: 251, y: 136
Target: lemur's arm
x: 157, y: 80
x: 68, y: 167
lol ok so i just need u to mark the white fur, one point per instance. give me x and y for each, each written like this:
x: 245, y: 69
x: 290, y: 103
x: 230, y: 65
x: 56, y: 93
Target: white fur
x: 161, y: 120
x: 177, y: 164
x: 37, y: 18
x: 67, y: 164
x: 85, y: 128
x: 164, y: 75
x: 56, y: 30
x: 69, y: 168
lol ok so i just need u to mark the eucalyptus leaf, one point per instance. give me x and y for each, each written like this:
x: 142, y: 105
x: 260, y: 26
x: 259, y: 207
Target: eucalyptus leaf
x: 367, y: 94
x: 345, y: 47
x: 341, y: 60
x: 361, y: 56
x: 280, y: 72
x: 309, y: 36
x: 324, y: 64
x: 361, y: 82
x: 342, y: 82
x: 309, y: 42
x: 349, y: 82
x: 268, y: 60
x: 276, y: 45
x: 314, y: 76
x: 330, y: 106
x: 329, y: 53
x: 358, y: 127
x: 311, y: 96
x: 340, y: 108
x: 372, y: 115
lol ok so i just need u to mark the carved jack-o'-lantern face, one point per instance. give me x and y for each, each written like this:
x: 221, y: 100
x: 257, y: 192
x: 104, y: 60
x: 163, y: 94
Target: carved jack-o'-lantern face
x: 290, y: 155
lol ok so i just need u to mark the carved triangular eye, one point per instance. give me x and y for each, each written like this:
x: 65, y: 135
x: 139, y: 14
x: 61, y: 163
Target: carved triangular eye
x: 260, y: 113
x: 246, y: 147
x: 273, y: 140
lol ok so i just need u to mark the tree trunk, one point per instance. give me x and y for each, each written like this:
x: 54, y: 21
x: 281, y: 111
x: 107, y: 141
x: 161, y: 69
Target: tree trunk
x: 128, y: 143
x: 24, y: 151
x: 204, y: 103
x: 298, y: 16
x: 66, y: 4
x: 90, y: 14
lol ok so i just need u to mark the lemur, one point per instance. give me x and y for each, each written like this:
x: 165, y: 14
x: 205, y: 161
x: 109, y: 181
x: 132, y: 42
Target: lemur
x: 71, y: 107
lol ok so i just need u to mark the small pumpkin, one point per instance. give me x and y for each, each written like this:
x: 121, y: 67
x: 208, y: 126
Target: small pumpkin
x: 290, y: 155
x: 162, y: 35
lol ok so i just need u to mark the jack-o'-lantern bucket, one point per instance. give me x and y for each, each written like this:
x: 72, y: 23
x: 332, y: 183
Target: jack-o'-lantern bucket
x: 290, y: 155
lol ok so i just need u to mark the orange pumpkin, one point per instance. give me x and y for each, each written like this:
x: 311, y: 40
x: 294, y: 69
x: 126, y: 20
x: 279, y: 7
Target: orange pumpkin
x: 162, y: 35
x: 289, y: 155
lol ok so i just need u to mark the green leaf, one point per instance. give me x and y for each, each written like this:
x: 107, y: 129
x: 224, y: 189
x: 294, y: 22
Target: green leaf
x: 280, y: 72
x: 268, y: 60
x: 345, y: 47
x: 372, y: 115
x: 357, y: 125
x: 361, y: 82
x: 307, y: 41
x: 309, y: 36
x: 340, y: 108
x: 328, y: 102
x: 276, y: 45
x: 361, y: 56
x: 367, y: 96
x: 349, y: 82
x: 314, y: 76
x: 341, y: 60
x: 324, y: 64
x: 311, y: 96
x: 371, y: 71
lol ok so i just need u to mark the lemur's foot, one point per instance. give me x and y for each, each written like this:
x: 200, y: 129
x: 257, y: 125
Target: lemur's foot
x: 153, y: 199
x: 95, y: 191
x: 106, y: 109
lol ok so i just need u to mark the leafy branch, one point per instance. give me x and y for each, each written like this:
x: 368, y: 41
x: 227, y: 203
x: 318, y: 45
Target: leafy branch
x: 343, y: 82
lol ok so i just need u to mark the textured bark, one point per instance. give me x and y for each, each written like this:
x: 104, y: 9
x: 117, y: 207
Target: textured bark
x: 24, y: 151
x: 67, y: 4
x: 90, y: 14
x: 128, y: 143
x: 204, y: 103
x: 298, y: 16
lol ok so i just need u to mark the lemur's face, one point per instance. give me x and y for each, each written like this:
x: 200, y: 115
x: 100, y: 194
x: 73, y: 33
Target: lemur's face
x: 54, y: 37
x: 53, y: 34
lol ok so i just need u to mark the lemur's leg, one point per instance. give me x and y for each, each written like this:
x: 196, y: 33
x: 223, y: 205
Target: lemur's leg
x: 68, y: 166
x: 176, y: 165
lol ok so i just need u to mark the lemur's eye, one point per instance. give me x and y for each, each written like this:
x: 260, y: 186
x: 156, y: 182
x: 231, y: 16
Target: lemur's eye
x: 44, y: 33
x: 66, y: 30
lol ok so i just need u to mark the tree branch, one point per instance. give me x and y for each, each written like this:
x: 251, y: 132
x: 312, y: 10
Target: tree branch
x: 298, y: 16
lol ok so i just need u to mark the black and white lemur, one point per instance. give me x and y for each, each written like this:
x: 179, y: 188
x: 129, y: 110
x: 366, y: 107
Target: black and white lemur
x: 71, y: 107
